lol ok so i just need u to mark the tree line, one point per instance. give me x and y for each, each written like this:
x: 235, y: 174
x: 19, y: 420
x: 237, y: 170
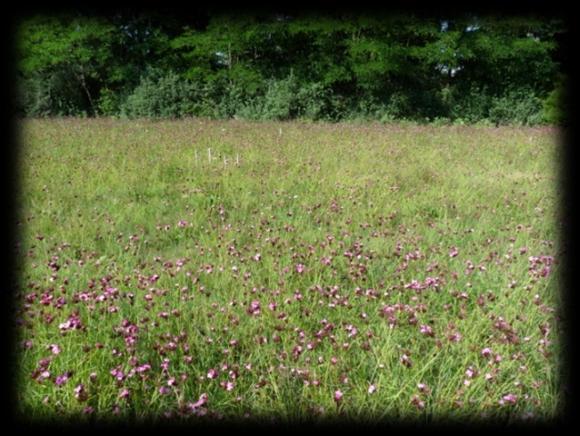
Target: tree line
x: 276, y: 66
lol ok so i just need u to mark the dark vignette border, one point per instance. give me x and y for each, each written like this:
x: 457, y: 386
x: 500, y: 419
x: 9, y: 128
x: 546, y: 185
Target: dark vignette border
x: 567, y: 212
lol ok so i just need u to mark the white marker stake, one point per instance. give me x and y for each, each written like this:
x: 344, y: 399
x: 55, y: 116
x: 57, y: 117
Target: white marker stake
x: 237, y: 159
x: 209, y: 155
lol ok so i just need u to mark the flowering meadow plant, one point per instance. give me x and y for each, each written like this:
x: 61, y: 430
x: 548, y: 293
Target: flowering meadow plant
x: 332, y: 270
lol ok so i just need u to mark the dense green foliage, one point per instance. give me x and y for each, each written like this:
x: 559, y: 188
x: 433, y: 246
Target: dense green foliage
x: 465, y: 69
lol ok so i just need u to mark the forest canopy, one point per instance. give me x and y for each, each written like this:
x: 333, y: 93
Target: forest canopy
x: 281, y: 66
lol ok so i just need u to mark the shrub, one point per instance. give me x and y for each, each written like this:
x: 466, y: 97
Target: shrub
x: 552, y: 107
x: 468, y: 105
x: 109, y: 102
x: 165, y: 95
x: 281, y: 99
x: 521, y: 107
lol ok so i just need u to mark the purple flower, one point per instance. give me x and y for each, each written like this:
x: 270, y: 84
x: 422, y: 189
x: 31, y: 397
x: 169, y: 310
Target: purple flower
x: 486, y: 352
x: 55, y: 349
x: 62, y: 379
x: 212, y: 373
x: 300, y: 268
x: 202, y: 400
x: 423, y: 388
x: 72, y: 323
x: 426, y: 330
x: 28, y: 344
x: 417, y: 402
x: 79, y: 392
x: 508, y: 399
x: 124, y: 393
x: 470, y: 372
x: 338, y: 396
x: 406, y: 360
x: 454, y: 337
x: 143, y: 368
x: 254, y: 308
x: 372, y: 389
x: 453, y: 252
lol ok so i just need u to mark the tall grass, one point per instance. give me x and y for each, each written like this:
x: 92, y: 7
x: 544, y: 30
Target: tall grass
x: 360, y: 243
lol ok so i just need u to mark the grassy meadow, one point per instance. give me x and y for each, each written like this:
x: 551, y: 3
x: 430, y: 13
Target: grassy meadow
x: 211, y: 270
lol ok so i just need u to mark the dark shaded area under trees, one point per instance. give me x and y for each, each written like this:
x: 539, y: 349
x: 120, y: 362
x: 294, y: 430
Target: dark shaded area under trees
x: 280, y: 66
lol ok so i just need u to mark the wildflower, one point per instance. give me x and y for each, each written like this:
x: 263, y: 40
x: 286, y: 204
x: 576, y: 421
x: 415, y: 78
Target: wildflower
x: 143, y: 368
x: 426, y: 330
x: 212, y: 373
x: 300, y: 268
x: 406, y: 360
x: 453, y: 252
x: 55, y: 349
x: 28, y: 344
x: 486, y: 352
x: 254, y: 308
x: 62, y: 379
x: 200, y: 402
x: 338, y: 396
x: 72, y: 323
x: 80, y: 393
x: 164, y: 390
x: 423, y: 388
x: 372, y: 389
x: 508, y: 399
x: 454, y: 337
x: 417, y: 402
x: 124, y: 393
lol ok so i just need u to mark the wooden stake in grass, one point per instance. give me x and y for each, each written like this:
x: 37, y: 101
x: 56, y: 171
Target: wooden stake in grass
x: 237, y: 159
x: 209, y: 155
